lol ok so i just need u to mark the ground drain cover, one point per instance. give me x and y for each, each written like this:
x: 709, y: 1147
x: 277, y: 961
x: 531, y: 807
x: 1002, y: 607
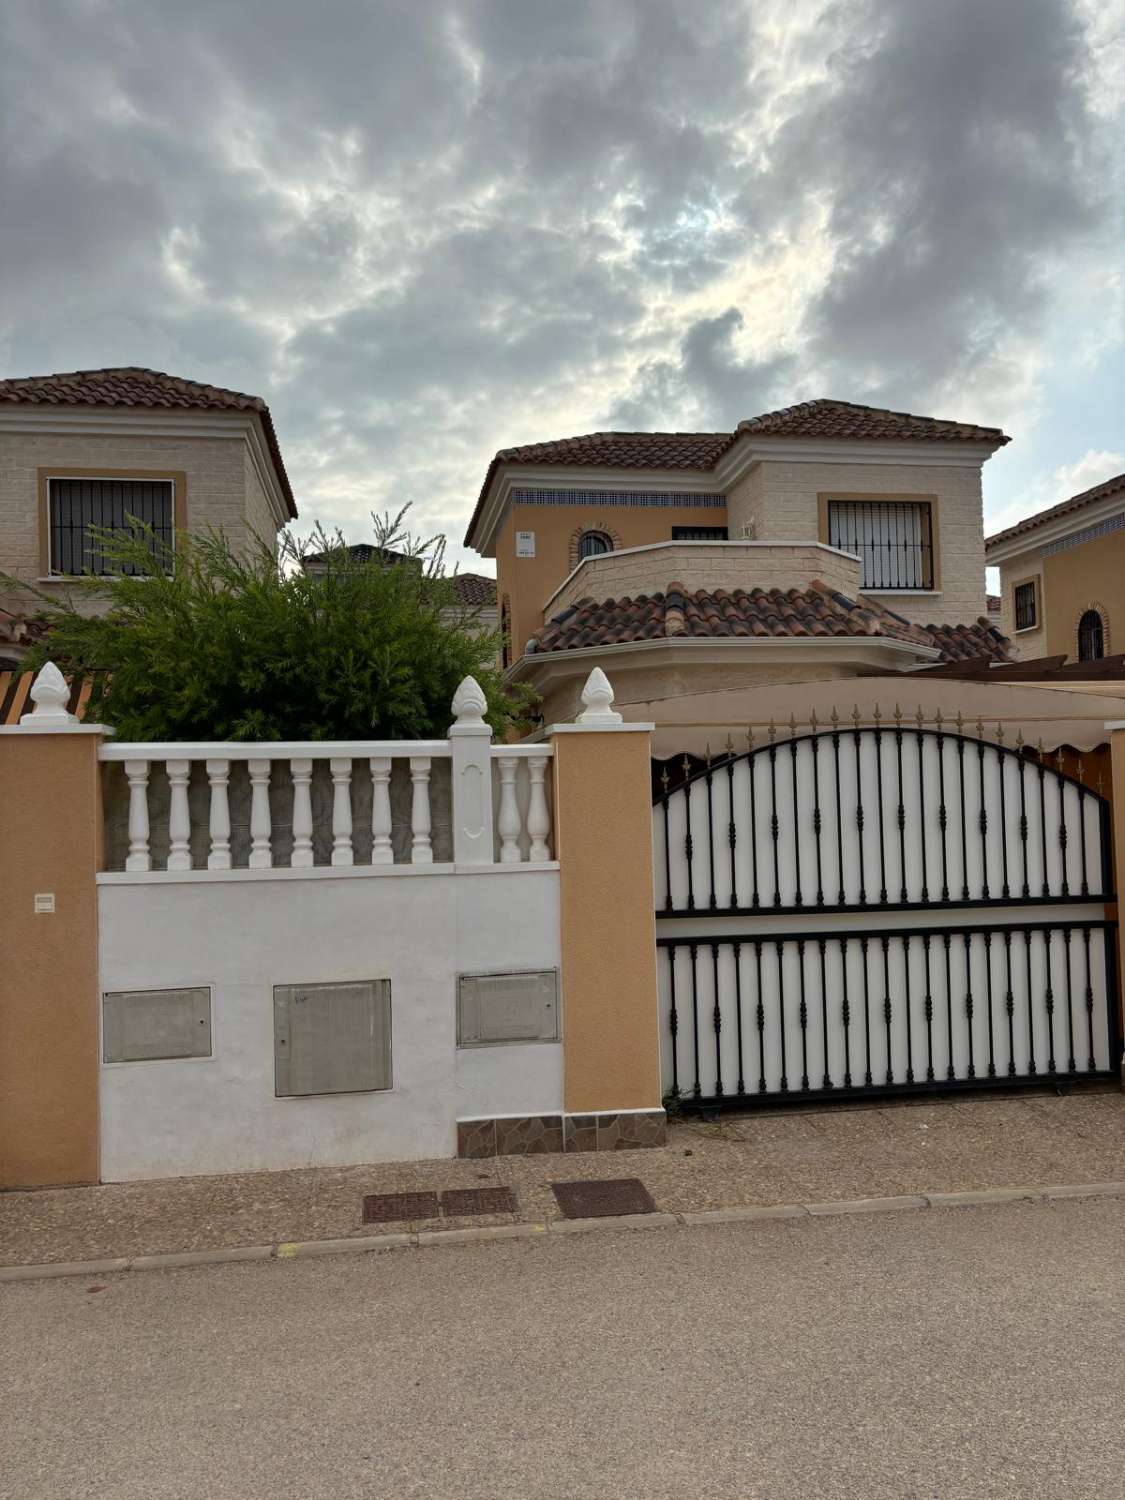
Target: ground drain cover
x: 385, y: 1208
x: 486, y: 1200
x: 603, y: 1198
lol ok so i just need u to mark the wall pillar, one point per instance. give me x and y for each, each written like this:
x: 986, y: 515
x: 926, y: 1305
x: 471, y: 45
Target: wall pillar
x: 603, y: 838
x: 51, y: 843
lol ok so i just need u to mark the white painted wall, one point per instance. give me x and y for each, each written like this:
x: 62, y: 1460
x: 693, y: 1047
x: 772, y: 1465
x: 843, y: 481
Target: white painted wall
x: 243, y: 934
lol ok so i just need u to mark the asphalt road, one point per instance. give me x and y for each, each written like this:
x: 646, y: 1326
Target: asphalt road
x: 947, y: 1353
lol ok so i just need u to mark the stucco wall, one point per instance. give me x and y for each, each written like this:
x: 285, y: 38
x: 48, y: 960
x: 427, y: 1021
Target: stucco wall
x: 242, y: 937
x: 1085, y: 577
x: 784, y: 503
x: 1027, y: 644
x: 708, y: 565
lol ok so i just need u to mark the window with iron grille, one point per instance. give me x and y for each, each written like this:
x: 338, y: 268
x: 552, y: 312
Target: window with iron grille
x: 1025, y: 605
x: 593, y: 544
x: 76, y: 505
x: 699, y: 533
x: 1091, y: 636
x: 893, y: 539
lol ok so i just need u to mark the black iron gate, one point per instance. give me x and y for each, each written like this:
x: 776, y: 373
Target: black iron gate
x: 877, y: 909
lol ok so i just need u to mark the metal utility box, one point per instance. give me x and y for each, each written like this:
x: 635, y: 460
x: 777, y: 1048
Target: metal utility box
x: 497, y: 1008
x: 332, y: 1038
x: 151, y: 1025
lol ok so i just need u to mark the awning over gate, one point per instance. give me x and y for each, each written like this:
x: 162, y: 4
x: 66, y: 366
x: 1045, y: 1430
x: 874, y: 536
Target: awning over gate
x: 688, y: 723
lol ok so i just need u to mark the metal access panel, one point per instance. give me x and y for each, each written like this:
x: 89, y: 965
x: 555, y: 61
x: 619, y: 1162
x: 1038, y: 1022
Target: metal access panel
x: 151, y: 1025
x: 332, y: 1038
x: 497, y: 1008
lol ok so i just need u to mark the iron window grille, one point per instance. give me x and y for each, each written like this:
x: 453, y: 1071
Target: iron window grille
x: 699, y: 534
x: 1091, y: 637
x: 77, y: 505
x: 593, y: 544
x: 1026, y: 617
x: 893, y: 539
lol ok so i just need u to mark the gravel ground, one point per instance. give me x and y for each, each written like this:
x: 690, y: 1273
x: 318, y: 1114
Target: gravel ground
x: 969, y: 1353
x: 743, y: 1160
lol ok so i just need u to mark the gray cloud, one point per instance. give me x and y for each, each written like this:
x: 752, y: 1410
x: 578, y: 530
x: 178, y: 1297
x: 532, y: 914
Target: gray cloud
x: 426, y: 230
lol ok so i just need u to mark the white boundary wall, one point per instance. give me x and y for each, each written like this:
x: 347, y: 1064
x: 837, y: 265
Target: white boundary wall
x: 241, y: 935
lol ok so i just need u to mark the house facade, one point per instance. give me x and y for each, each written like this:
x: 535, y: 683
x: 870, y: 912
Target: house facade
x: 94, y: 446
x: 825, y: 539
x: 1060, y: 577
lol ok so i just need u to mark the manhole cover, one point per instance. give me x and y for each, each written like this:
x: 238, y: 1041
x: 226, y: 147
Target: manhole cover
x: 384, y: 1208
x: 603, y: 1198
x: 486, y: 1200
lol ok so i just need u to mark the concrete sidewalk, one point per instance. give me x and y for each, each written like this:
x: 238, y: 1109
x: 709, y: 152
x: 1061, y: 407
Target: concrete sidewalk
x: 742, y: 1161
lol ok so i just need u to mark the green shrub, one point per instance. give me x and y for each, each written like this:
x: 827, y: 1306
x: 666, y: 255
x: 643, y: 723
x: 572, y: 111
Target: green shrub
x: 226, y: 646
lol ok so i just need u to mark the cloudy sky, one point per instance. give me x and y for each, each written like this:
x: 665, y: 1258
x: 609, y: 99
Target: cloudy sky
x: 426, y: 229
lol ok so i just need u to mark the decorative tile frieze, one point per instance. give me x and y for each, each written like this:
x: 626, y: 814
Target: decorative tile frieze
x: 526, y: 1135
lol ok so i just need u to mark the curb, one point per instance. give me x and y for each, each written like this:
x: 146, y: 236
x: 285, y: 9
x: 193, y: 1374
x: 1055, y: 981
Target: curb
x: 428, y: 1239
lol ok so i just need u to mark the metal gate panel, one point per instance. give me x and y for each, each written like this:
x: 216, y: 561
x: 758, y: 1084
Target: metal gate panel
x: 872, y: 910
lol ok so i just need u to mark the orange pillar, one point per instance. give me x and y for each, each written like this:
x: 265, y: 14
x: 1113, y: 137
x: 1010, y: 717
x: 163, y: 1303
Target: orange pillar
x: 51, y: 843
x: 1117, y: 796
x: 603, y: 836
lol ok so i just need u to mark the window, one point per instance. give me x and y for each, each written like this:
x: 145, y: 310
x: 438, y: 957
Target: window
x: 1091, y: 636
x: 1027, y: 616
x: 593, y: 544
x: 699, y: 533
x: 893, y: 538
x: 332, y: 1038
x: 74, y: 505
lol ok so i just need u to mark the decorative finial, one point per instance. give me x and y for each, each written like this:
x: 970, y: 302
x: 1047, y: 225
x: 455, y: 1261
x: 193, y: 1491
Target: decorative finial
x: 960, y: 722
x: 469, y: 703
x: 707, y: 755
x: 980, y: 727
x: 50, y: 695
x: 834, y: 719
x: 898, y: 717
x: 877, y: 716
x: 729, y: 746
x: 855, y: 715
x: 772, y: 731
x: 792, y: 726
x: 1019, y: 741
x: 664, y: 779
x: 919, y: 716
x: 939, y: 719
x: 1079, y: 769
x: 1060, y: 758
x: 749, y: 736
x: 999, y: 732
x: 814, y: 723
x: 597, y: 695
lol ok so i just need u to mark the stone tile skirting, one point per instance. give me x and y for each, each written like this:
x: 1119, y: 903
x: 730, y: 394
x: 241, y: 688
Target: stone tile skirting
x: 529, y: 1135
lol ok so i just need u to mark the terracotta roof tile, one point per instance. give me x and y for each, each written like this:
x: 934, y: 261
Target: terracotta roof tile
x: 1103, y: 491
x: 817, y: 611
x: 702, y: 450
x: 132, y: 385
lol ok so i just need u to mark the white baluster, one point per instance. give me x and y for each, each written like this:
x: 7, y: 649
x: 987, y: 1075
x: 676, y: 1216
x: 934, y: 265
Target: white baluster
x: 261, y: 855
x: 538, y: 816
x: 342, y: 851
x: 218, y: 775
x: 381, y: 851
x: 302, y: 856
x: 179, y: 817
x: 421, y: 850
x: 138, y: 857
x: 508, y: 821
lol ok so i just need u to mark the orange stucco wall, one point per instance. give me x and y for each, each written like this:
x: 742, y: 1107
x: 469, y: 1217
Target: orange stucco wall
x: 603, y: 831
x: 1082, y: 578
x: 51, y: 832
x: 529, y: 581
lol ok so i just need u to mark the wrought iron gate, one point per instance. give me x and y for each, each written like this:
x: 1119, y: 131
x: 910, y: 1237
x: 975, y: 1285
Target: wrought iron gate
x: 878, y: 909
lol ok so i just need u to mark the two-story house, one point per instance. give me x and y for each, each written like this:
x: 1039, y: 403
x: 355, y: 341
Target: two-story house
x: 823, y: 540
x: 92, y: 447
x: 1061, y: 573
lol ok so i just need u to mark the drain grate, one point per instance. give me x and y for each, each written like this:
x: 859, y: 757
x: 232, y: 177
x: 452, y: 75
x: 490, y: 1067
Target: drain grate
x: 603, y: 1198
x: 386, y: 1208
x: 486, y: 1200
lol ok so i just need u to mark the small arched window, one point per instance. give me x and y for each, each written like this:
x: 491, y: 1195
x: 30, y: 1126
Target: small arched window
x: 1091, y: 636
x: 593, y: 544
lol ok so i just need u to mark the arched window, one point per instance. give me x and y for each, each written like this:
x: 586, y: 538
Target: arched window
x: 1091, y: 636
x: 593, y: 544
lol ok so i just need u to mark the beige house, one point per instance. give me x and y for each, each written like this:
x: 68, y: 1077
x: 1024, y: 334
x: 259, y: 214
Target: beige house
x: 475, y: 593
x: 823, y: 540
x: 95, y: 446
x: 1061, y: 577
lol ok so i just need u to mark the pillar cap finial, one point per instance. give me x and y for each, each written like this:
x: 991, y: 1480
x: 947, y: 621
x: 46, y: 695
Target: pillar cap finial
x: 50, y: 694
x: 469, y: 703
x: 597, y: 696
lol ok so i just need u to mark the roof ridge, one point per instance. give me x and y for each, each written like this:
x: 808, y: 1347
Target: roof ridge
x: 1101, y: 491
